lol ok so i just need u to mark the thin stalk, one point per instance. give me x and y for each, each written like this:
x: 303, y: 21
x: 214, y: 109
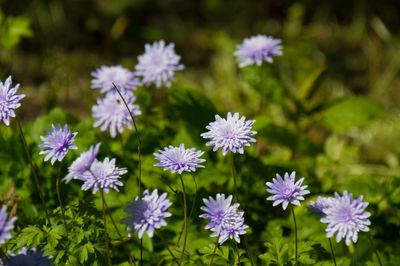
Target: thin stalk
x: 59, y: 198
x: 138, y: 139
x: 106, y: 240
x: 235, y: 195
x: 238, y: 252
x: 295, y: 235
x: 246, y: 244
x: 374, y: 248
x: 215, y: 249
x: 141, y: 252
x: 191, y: 210
x: 184, y: 220
x: 33, y: 169
x: 233, y: 168
x: 166, y: 245
x: 333, y: 253
x: 131, y: 261
x: 194, y: 198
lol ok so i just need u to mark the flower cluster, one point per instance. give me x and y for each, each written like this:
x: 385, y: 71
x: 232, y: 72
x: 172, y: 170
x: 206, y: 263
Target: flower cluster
x: 105, y: 77
x: 9, y: 100
x: 230, y: 134
x: 147, y: 213
x: 95, y: 174
x: 286, y: 190
x: 6, y: 225
x: 158, y: 64
x: 82, y: 163
x: 344, y: 215
x: 57, y: 143
x: 110, y: 112
x: 179, y: 159
x: 225, y: 220
x: 256, y: 49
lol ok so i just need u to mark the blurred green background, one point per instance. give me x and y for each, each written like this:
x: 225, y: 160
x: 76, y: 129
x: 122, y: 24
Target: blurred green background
x: 328, y: 108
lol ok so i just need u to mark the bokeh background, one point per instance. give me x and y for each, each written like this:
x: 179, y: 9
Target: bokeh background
x: 328, y: 108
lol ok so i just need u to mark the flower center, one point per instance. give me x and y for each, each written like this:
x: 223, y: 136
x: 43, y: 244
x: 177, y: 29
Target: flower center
x: 345, y: 214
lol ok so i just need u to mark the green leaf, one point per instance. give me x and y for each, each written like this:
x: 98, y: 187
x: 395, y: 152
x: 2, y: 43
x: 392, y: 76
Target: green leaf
x: 285, y: 137
x: 54, y: 236
x: 194, y: 108
x: 43, y: 123
x: 29, y: 236
x: 350, y: 113
x: 310, y: 85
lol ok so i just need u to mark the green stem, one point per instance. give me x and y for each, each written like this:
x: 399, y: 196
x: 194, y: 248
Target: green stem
x: 184, y: 220
x: 166, y: 245
x: 194, y: 198
x: 333, y: 253
x: 295, y: 234
x: 138, y: 139
x: 233, y: 169
x: 106, y: 240
x: 234, y: 175
x: 33, y: 169
x: 141, y: 252
x: 131, y: 261
x: 238, y: 252
x: 59, y: 198
x: 374, y: 248
x: 215, y: 249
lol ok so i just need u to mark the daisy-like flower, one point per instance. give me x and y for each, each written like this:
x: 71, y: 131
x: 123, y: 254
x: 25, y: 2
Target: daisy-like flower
x: 111, y: 114
x: 105, y: 76
x: 256, y: 49
x: 286, y: 190
x: 29, y: 257
x: 158, y: 64
x: 224, y: 220
x: 232, y: 227
x: 230, y: 134
x: 6, y: 225
x: 147, y: 213
x: 57, y: 143
x: 82, y: 163
x: 102, y: 175
x: 9, y: 100
x: 346, y: 217
x: 317, y: 207
x: 179, y: 159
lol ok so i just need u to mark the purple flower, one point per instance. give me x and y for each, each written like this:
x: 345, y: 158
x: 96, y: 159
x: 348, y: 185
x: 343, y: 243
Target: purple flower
x: 147, y: 213
x: 179, y: 159
x: 256, y: 49
x: 102, y: 175
x: 345, y: 217
x: 158, y: 64
x: 105, y: 76
x: 29, y: 257
x: 6, y: 225
x: 57, y: 143
x: 317, y: 207
x: 82, y: 163
x: 286, y: 190
x: 232, y: 133
x: 232, y: 227
x: 224, y: 220
x: 111, y: 112
x: 9, y: 100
